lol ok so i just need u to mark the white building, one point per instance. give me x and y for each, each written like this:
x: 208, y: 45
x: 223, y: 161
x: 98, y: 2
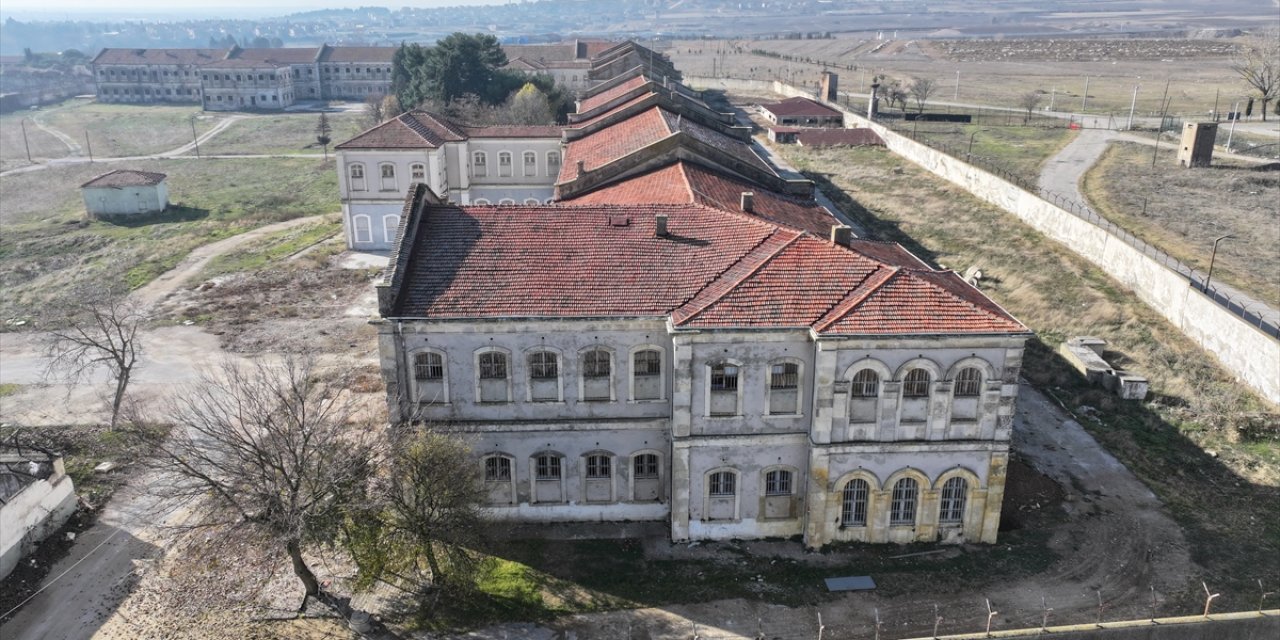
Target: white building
x: 125, y: 192
x: 480, y: 165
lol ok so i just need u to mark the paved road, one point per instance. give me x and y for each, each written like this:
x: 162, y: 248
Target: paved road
x: 1062, y: 174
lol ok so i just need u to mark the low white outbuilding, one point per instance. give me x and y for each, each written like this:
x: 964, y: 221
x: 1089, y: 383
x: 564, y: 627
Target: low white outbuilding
x: 125, y: 192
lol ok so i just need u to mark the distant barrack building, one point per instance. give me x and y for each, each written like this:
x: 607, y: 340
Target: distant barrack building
x: 238, y: 78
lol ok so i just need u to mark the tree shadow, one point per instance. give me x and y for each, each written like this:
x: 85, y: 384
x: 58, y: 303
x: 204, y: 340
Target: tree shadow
x: 172, y: 214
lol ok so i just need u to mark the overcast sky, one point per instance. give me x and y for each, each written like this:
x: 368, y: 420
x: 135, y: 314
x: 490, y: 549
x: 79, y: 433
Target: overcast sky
x: 77, y: 9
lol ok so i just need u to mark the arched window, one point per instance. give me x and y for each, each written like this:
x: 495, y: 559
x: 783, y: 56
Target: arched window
x: 492, y: 382
x: 355, y: 173
x: 361, y: 229
x: 784, y: 388
x: 968, y: 382
x: 479, y: 164
x: 547, y: 467
x: 645, y: 465
x: 553, y: 163
x: 597, y: 375
x: 599, y: 466
x: 902, y: 509
x: 506, y: 201
x: 544, y: 376
x: 722, y: 483
x: 497, y: 468
x: 429, y: 378
x: 548, y: 477
x: 723, y: 387
x: 530, y: 163
x: 955, y: 492
x: 853, y: 508
x: 499, y: 479
x: 646, y: 375
x: 916, y: 384
x: 390, y: 225
x: 865, y: 384
x: 646, y: 476
x: 504, y: 164
x: 480, y: 202
x: 388, y: 173
x: 428, y: 366
x: 598, y: 479
x: 417, y: 172
x: 531, y: 202
x: 778, y: 483
x: 721, y: 499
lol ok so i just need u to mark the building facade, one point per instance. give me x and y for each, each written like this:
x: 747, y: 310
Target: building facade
x: 125, y: 192
x: 152, y: 76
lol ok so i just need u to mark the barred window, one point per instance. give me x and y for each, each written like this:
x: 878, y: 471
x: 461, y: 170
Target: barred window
x: 902, y: 510
x: 497, y: 469
x: 866, y: 384
x: 954, y: 494
x: 916, y: 384
x: 968, y: 381
x: 784, y: 376
x: 493, y: 365
x: 598, y: 466
x: 646, y: 465
x: 504, y: 158
x: 542, y: 365
x: 428, y: 366
x: 418, y: 171
x: 853, y: 511
x: 724, y: 377
x: 647, y: 363
x: 595, y: 364
x: 547, y: 467
x: 777, y: 483
x: 722, y: 483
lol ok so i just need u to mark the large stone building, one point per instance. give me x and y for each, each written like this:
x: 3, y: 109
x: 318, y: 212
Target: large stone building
x: 686, y: 335
x: 583, y: 64
x: 152, y: 75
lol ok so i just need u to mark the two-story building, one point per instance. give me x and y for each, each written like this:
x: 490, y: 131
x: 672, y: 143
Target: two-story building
x: 481, y: 165
x: 151, y: 75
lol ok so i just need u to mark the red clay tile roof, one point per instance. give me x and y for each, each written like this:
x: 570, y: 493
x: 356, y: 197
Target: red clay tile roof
x: 358, y: 54
x: 514, y: 131
x: 558, y: 52
x: 283, y: 55
x: 713, y: 270
x: 800, y: 107
x: 125, y: 178
x: 602, y: 98
x: 838, y: 138
x: 159, y: 56
x: 410, y: 130
x: 625, y: 137
x: 245, y: 63
x: 685, y: 182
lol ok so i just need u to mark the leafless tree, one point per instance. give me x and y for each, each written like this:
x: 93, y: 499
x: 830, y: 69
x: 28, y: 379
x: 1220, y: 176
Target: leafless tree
x: 323, y: 129
x: 1029, y: 101
x: 429, y: 505
x: 97, y: 333
x: 1257, y: 62
x: 391, y: 106
x: 896, y: 94
x: 275, y: 451
x: 921, y: 89
x: 374, y: 113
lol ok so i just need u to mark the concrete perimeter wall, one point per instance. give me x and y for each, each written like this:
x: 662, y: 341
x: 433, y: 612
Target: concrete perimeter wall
x: 1245, y: 625
x: 31, y: 515
x: 1246, y: 351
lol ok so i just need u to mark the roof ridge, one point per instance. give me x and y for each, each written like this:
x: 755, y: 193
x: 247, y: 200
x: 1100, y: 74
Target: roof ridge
x: 846, y: 306
x: 765, y: 259
x: 956, y: 296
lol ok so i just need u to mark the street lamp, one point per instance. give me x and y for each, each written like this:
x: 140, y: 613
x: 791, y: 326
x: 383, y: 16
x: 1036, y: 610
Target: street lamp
x: 1212, y: 257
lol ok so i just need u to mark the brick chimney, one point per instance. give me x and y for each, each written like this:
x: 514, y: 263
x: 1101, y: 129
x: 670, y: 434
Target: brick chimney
x: 581, y: 167
x: 748, y: 201
x: 660, y: 225
x: 841, y: 235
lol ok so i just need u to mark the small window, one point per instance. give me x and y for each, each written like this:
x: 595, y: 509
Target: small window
x: 866, y: 384
x: 853, y: 510
x: 777, y: 483
x: 916, y: 384
x: 724, y: 377
x: 646, y: 466
x: 479, y: 164
x: 968, y: 381
x: 362, y: 229
x: 497, y: 469
x: 428, y: 366
x: 530, y: 163
x: 418, y: 172
x: 648, y: 363
x: 553, y: 163
x: 542, y: 365
x: 722, y: 483
x: 784, y: 376
x: 504, y: 164
x: 493, y: 365
x: 598, y: 466
x: 595, y: 364
x: 388, y: 171
x: 954, y: 493
x: 902, y: 510
x: 547, y: 467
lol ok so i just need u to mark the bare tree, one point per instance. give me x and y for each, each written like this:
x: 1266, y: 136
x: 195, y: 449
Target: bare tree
x: 429, y: 505
x: 1257, y: 62
x: 391, y: 106
x: 921, y: 89
x: 1029, y: 101
x: 323, y: 129
x: 896, y: 94
x: 97, y: 333
x: 274, y: 450
x: 373, y: 111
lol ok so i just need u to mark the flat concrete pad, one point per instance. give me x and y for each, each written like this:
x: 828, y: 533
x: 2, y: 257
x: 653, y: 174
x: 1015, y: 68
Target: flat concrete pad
x: 851, y: 583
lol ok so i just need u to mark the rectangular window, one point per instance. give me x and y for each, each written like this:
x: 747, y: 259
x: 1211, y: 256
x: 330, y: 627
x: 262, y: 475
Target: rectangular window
x: 595, y: 364
x: 777, y: 483
x: 542, y: 365
x: 722, y: 484
x: 548, y: 468
x: 497, y: 469
x: 648, y: 363
x: 784, y: 376
x: 598, y: 467
x: 428, y: 366
x: 724, y: 377
x: 493, y: 366
x: 646, y: 466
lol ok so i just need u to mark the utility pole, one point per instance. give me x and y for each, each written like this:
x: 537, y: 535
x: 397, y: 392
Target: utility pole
x: 1132, y: 103
x: 957, y: 93
x: 1053, y: 94
x: 28, y: 146
x: 88, y: 146
x: 1084, y: 100
x: 195, y: 140
x: 1235, y: 116
x: 1164, y: 108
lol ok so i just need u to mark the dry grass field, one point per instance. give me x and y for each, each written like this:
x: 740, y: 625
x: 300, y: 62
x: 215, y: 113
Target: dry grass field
x: 117, y: 130
x: 1203, y: 442
x: 1185, y: 210
x: 13, y: 152
x: 994, y: 72
x: 48, y: 249
x: 282, y: 134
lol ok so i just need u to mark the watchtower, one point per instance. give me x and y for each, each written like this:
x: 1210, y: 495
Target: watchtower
x: 1196, y: 149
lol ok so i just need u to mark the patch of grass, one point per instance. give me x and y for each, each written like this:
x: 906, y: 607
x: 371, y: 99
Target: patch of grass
x: 1182, y: 211
x: 1196, y: 407
x: 13, y: 149
x: 47, y: 249
x: 271, y: 250
x: 1022, y: 150
x: 118, y: 130
x: 9, y: 388
x: 282, y: 134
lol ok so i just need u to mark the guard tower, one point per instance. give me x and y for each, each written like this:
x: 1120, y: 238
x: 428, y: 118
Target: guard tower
x: 830, y: 86
x: 1196, y: 149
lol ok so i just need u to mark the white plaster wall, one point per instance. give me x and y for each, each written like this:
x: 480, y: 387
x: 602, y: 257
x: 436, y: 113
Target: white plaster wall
x: 516, y: 147
x: 31, y: 515
x: 125, y: 200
